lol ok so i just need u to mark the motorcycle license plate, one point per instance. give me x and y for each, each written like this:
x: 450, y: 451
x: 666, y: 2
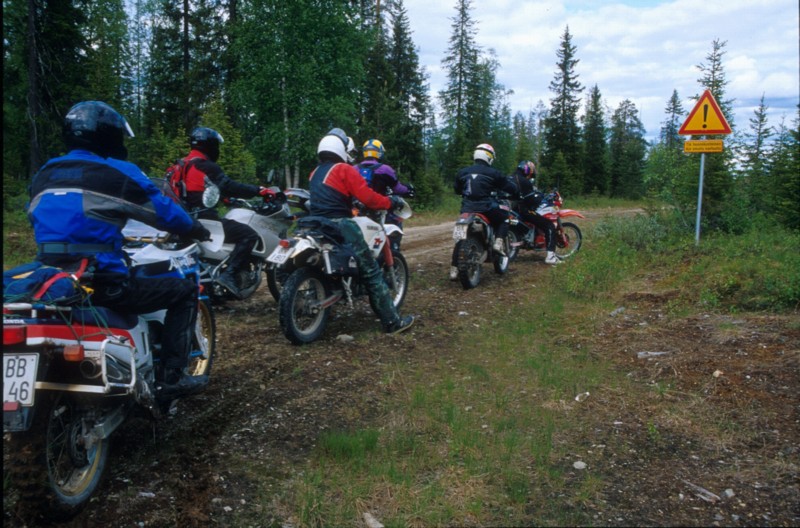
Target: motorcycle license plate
x: 19, y: 376
x: 279, y: 255
x: 460, y: 232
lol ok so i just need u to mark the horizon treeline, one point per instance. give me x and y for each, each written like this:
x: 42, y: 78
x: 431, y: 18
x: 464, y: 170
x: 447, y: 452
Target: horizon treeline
x: 273, y: 76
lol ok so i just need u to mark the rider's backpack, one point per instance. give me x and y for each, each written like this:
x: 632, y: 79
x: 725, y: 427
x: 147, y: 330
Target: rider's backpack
x: 367, y: 170
x: 176, y: 177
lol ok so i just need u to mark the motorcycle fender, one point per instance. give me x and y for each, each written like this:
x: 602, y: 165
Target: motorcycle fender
x: 217, y: 236
x: 570, y: 212
x: 392, y: 229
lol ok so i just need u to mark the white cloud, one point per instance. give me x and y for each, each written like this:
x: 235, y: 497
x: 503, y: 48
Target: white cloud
x: 641, y: 50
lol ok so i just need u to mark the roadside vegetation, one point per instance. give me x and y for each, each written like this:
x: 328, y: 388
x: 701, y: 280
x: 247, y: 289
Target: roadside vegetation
x: 479, y: 435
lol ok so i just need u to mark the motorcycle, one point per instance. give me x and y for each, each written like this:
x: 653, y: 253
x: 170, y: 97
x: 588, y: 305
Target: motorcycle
x: 474, y: 245
x: 270, y: 219
x: 74, y: 372
x: 322, y: 271
x: 523, y: 235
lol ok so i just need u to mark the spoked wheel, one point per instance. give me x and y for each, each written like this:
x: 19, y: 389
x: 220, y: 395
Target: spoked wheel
x: 469, y: 262
x: 514, y: 241
x: 276, y: 278
x: 568, y: 244
x: 301, y: 318
x: 399, y: 286
x: 204, y: 345
x: 501, y: 263
x: 55, y: 466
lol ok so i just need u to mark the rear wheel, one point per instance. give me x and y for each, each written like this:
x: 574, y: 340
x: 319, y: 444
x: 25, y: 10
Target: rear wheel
x: 54, y: 464
x: 514, y: 242
x: 301, y: 318
x: 203, y: 341
x: 568, y: 244
x: 276, y: 278
x: 470, y: 252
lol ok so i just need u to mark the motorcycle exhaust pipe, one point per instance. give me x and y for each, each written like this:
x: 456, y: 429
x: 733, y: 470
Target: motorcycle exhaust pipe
x: 90, y: 369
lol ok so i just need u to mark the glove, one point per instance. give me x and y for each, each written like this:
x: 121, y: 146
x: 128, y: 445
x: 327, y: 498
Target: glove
x: 267, y: 193
x: 411, y: 191
x: 397, y: 203
x: 199, y: 232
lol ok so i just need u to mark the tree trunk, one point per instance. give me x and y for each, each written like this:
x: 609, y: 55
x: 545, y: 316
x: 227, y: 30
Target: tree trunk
x: 34, y: 110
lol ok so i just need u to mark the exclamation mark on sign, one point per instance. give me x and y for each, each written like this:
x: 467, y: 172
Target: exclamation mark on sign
x: 705, y: 116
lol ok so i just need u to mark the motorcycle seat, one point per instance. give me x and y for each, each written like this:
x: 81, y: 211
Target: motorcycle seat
x: 100, y: 316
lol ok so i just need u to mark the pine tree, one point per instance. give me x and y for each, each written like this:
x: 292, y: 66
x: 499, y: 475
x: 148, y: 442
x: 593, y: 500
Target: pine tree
x: 675, y: 114
x: 784, y: 161
x: 595, y: 177
x: 627, y: 152
x: 462, y: 64
x: 562, y: 134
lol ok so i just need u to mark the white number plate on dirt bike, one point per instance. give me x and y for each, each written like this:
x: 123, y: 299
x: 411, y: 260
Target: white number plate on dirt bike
x: 19, y: 375
x: 460, y: 232
x: 279, y: 255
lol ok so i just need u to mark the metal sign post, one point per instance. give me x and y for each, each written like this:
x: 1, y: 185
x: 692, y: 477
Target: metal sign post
x: 699, y: 200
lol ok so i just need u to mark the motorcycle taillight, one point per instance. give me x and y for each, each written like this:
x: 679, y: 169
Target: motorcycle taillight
x: 13, y: 335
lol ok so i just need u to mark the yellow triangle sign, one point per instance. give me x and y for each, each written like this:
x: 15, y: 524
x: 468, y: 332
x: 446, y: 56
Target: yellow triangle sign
x: 705, y: 118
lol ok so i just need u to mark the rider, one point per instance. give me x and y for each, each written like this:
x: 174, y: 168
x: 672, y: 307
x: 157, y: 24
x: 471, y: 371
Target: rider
x: 478, y: 185
x: 201, y: 163
x: 333, y: 185
x: 529, y: 200
x: 79, y: 204
x: 381, y: 177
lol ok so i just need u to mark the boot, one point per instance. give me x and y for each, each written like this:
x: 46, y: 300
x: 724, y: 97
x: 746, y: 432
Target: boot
x: 552, y: 258
x: 500, y: 245
x: 177, y: 382
x: 453, y: 273
x: 401, y: 325
x: 228, y: 280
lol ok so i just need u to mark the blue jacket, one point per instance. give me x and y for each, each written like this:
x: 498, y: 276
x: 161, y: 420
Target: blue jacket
x: 80, y: 203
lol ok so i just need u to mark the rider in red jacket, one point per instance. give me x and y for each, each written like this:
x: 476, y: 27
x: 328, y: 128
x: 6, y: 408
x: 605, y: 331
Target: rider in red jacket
x: 334, y: 183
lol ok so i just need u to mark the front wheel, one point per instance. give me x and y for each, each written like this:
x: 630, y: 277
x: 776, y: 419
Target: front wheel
x: 301, y: 317
x: 204, y: 341
x: 568, y: 242
x: 469, y: 264
x: 55, y: 465
x: 398, y: 285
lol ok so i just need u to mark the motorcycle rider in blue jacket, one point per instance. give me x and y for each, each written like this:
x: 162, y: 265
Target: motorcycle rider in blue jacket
x: 79, y: 205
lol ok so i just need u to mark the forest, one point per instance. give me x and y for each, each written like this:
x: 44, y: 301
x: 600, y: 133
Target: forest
x: 274, y: 76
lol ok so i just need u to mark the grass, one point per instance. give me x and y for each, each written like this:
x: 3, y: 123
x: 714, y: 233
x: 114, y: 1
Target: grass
x: 478, y: 436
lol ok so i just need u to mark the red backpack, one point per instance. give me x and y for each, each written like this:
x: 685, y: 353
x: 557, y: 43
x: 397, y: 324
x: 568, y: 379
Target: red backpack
x: 176, y: 177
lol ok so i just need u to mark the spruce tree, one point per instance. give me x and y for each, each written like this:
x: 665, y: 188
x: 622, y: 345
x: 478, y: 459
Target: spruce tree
x: 562, y: 134
x: 627, y: 152
x: 595, y: 177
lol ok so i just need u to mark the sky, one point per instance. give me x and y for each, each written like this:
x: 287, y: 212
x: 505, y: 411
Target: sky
x: 639, y: 50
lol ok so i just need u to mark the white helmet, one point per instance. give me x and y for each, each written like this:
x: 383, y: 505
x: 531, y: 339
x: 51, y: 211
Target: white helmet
x: 484, y: 152
x: 338, y: 143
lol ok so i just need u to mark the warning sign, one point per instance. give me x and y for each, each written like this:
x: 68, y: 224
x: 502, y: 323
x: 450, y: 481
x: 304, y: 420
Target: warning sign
x: 705, y: 118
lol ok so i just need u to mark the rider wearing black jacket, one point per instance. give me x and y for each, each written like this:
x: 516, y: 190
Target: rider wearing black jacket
x: 529, y: 200
x: 478, y: 186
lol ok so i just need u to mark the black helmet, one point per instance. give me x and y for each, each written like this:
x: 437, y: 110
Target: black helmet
x: 207, y: 141
x: 95, y: 126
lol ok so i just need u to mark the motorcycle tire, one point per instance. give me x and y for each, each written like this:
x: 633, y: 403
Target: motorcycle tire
x: 276, y: 278
x: 513, y: 248
x: 500, y: 263
x: 55, y: 475
x: 299, y: 321
x: 401, y: 276
x: 571, y: 243
x: 469, y: 262
x: 204, y: 341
